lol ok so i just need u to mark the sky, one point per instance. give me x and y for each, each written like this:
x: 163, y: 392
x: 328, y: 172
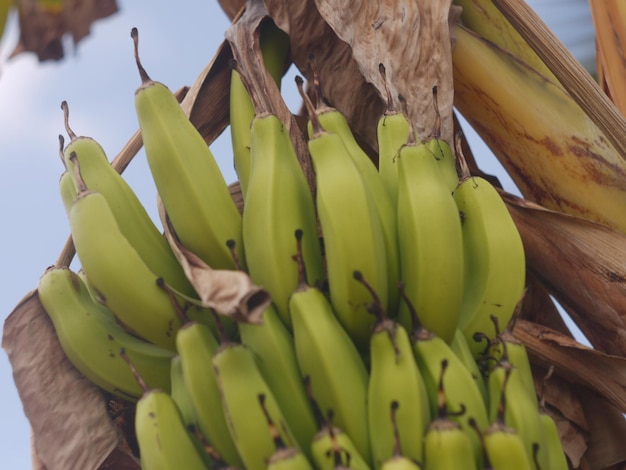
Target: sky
x: 98, y: 80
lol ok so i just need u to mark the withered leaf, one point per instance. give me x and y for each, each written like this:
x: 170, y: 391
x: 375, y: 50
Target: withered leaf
x: 582, y: 265
x: 229, y: 292
x: 71, y: 428
x: 44, y: 24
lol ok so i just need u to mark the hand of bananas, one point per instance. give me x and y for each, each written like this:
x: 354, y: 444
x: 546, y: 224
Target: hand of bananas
x: 381, y: 346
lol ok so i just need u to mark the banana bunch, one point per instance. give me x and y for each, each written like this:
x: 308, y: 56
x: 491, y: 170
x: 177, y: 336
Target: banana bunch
x: 381, y: 348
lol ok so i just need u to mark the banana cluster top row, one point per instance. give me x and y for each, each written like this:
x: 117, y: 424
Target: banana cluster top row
x: 386, y: 289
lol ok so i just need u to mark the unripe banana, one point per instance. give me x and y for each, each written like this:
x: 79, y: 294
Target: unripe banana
x: 430, y: 240
x: 189, y: 182
x: 278, y: 202
x: 331, y: 443
x: 117, y: 272
x: 273, y: 347
x: 352, y: 232
x: 392, y: 133
x: 329, y: 359
x: 91, y: 337
x: 464, y: 353
x: 398, y: 460
x: 131, y: 216
x: 334, y: 122
x: 394, y: 378
x: 461, y: 389
x: 242, y: 386
x: 495, y: 265
x: 551, y: 437
x: 163, y: 440
x: 196, y: 347
x: 67, y: 190
x: 274, y: 47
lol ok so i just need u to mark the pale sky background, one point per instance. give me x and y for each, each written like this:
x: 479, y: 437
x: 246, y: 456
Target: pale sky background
x: 177, y: 39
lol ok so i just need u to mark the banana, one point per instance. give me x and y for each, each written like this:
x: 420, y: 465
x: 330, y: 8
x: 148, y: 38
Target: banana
x: 504, y: 446
x: 461, y: 389
x: 67, y: 190
x: 462, y: 350
x: 274, y: 47
x: 351, y: 229
x: 447, y: 445
x: 116, y: 271
x: 329, y: 360
x: 273, y: 347
x: 430, y: 240
x: 278, y: 202
x: 392, y: 132
x: 508, y: 390
x: 91, y: 337
x: 331, y: 445
x: 551, y: 437
x: 189, y: 182
x: 398, y: 460
x: 242, y: 386
x: 130, y: 214
x: 163, y: 440
x: 333, y: 121
x: 196, y: 346
x: 495, y: 263
x: 394, y: 378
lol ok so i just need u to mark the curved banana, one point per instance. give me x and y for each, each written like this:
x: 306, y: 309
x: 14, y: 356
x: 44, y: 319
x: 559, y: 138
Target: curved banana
x: 495, y: 263
x: 398, y: 460
x: 330, y: 361
x: 273, y: 347
x: 461, y: 389
x: 551, y: 437
x: 117, y: 273
x: 189, y: 182
x: 274, y: 47
x: 331, y: 445
x: 91, y: 338
x: 278, y: 202
x: 430, y: 240
x: 242, y: 386
x: 133, y: 219
x: 67, y: 189
x: 392, y: 132
x: 351, y: 229
x: 447, y: 445
x: 462, y: 350
x: 196, y: 346
x: 395, y: 378
x: 334, y: 122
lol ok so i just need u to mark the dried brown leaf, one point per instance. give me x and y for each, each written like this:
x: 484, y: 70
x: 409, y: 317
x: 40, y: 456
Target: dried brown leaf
x: 230, y: 293
x: 232, y: 7
x: 581, y: 264
x: 600, y: 372
x: 413, y: 41
x: 71, y: 428
x: 43, y: 25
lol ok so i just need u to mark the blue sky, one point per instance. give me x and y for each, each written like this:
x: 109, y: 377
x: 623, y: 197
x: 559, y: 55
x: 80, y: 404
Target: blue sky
x: 177, y: 39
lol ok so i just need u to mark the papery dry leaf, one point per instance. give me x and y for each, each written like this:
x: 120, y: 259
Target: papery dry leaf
x: 67, y: 413
x: 538, y: 307
x: 413, y: 41
x: 232, y: 7
x: 43, y: 25
x: 582, y: 265
x: 229, y: 292
x: 600, y: 372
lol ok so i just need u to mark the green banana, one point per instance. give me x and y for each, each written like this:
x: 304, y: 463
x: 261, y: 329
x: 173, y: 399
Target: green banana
x: 461, y: 389
x: 447, y: 445
x: 196, y: 346
x: 273, y: 347
x: 392, y: 132
x: 551, y: 437
x: 495, y: 265
x: 504, y: 446
x: 462, y: 350
x: 163, y: 439
x: 430, y: 240
x: 274, y: 47
x: 278, y: 202
x: 334, y: 122
x: 329, y: 360
x: 398, y: 460
x: 189, y: 182
x: 117, y: 273
x: 133, y: 219
x: 67, y: 189
x: 91, y: 337
x: 242, y: 386
x: 330, y: 444
x: 351, y: 229
x: 394, y: 378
